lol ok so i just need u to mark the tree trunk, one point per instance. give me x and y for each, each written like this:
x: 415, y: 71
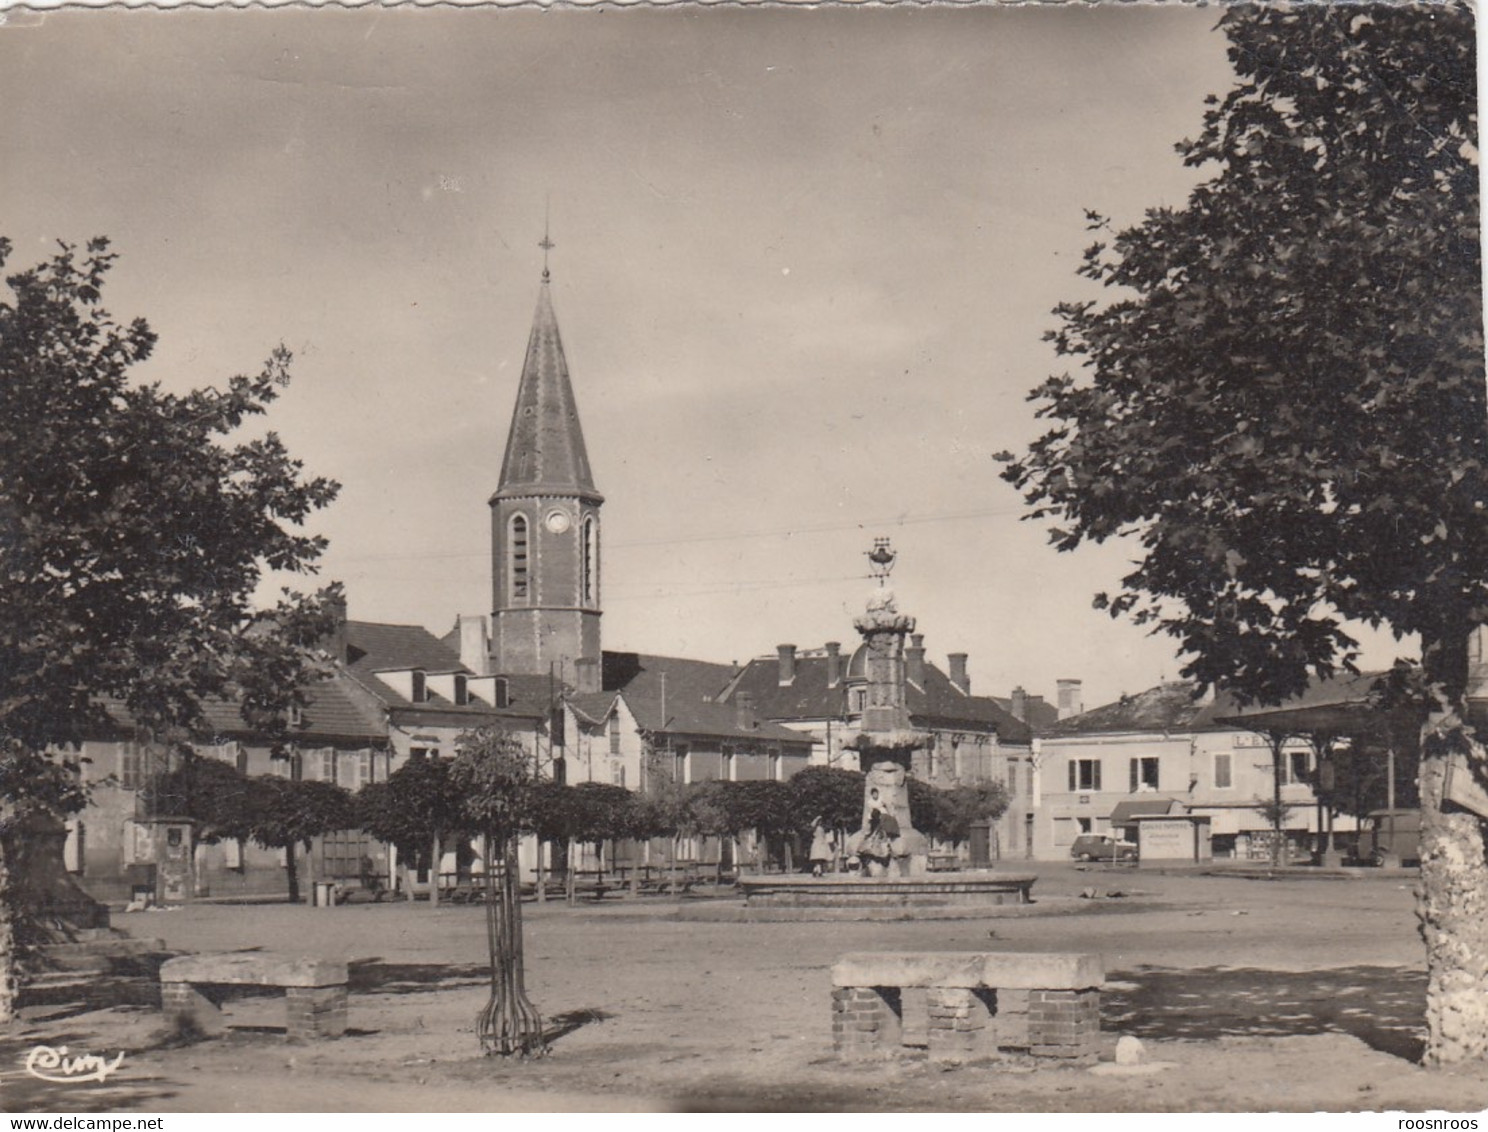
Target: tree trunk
x: 509, y: 1024
x: 1278, y: 815
x: 9, y: 957
x: 292, y: 867
x: 434, y: 857
x: 1452, y: 904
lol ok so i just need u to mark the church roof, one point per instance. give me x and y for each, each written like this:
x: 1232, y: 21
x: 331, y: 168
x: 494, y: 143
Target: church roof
x: 545, y: 450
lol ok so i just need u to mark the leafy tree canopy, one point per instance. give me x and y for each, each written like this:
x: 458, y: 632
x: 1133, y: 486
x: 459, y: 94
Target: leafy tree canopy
x: 418, y: 800
x: 286, y: 812
x: 1282, y: 397
x: 132, y: 537
x: 494, y: 778
x: 218, y: 798
x: 831, y: 794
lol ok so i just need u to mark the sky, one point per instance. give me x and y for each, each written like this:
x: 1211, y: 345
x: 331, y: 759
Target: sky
x: 804, y: 261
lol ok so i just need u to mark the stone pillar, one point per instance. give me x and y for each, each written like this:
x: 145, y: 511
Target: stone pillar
x: 316, y: 1012
x: 1010, y: 1023
x: 187, y: 1008
x: 867, y: 1022
x: 1064, y: 1023
x: 959, y: 1022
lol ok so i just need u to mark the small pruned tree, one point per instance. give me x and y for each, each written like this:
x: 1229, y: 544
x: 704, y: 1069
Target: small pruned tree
x: 417, y: 810
x: 216, y: 796
x: 831, y: 795
x: 287, y: 814
x: 958, y: 808
x: 495, y: 777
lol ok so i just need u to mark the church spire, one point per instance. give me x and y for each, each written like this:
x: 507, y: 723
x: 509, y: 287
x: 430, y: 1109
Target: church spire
x: 545, y: 451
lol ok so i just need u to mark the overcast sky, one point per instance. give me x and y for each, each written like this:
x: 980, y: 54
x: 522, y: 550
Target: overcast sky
x: 804, y: 262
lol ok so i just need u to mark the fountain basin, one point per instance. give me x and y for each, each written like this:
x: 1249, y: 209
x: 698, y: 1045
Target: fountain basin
x: 935, y: 890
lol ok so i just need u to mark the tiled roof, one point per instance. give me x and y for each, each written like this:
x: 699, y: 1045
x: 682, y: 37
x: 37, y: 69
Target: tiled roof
x: 1166, y: 708
x: 1340, y: 704
x: 373, y: 647
x: 337, y: 710
x: 692, y: 688
x: 938, y: 703
x: 1040, y: 713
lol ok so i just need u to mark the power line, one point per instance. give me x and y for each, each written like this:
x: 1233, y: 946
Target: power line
x: 779, y: 532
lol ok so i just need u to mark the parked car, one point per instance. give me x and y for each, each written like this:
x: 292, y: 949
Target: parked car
x: 1102, y: 847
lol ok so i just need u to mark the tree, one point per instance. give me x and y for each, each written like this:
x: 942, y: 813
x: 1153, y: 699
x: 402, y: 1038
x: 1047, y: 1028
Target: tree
x: 1283, y: 403
x: 216, y: 796
x: 496, y: 779
x: 831, y: 794
x: 132, y: 539
x: 416, y: 811
x: 286, y: 814
x: 960, y: 807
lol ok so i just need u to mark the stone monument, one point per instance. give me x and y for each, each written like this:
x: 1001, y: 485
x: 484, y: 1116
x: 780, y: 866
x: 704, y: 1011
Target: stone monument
x: 886, y: 743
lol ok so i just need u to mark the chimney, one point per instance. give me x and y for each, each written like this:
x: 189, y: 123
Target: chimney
x: 744, y: 716
x: 1070, y: 702
x: 475, y: 645
x: 1019, y: 704
x: 1034, y: 703
x: 787, y: 664
x: 834, y: 663
x: 914, y: 659
x: 586, y: 674
x: 335, y: 640
x: 957, y: 661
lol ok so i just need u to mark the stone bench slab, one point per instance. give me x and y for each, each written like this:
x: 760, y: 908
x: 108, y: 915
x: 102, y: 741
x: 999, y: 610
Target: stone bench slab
x: 254, y: 968
x: 1011, y: 970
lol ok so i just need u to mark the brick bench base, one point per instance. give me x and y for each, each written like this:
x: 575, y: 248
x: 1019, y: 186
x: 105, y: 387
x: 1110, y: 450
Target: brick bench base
x: 980, y: 1005
x: 314, y: 990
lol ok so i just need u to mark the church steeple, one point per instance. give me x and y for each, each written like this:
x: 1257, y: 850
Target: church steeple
x: 545, y: 522
x: 545, y: 447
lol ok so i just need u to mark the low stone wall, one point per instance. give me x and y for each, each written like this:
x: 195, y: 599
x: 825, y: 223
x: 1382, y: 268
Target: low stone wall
x: 980, y: 1005
x: 314, y: 990
x: 931, y: 891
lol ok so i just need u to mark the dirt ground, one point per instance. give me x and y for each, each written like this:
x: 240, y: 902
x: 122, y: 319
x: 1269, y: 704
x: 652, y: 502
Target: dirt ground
x: 1293, y: 995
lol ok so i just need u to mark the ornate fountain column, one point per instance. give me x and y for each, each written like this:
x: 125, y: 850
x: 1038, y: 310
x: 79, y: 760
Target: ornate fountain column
x: 886, y: 743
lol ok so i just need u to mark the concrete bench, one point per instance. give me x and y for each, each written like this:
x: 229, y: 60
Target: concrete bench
x: 980, y: 1004
x: 314, y: 989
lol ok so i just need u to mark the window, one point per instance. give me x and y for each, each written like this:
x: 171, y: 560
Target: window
x: 680, y: 767
x: 615, y: 733
x: 1028, y: 779
x: 242, y: 760
x: 617, y: 773
x: 590, y: 565
x: 420, y: 690
x: 859, y: 699
x: 462, y: 689
x: 363, y: 768
x: 1222, y: 780
x: 502, y: 693
x: 1143, y: 774
x: 726, y: 759
x: 517, y: 557
x: 131, y: 765
x: 1012, y: 778
x: 1296, y: 767
x: 774, y: 760
x: 1084, y: 774
x: 1083, y: 824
